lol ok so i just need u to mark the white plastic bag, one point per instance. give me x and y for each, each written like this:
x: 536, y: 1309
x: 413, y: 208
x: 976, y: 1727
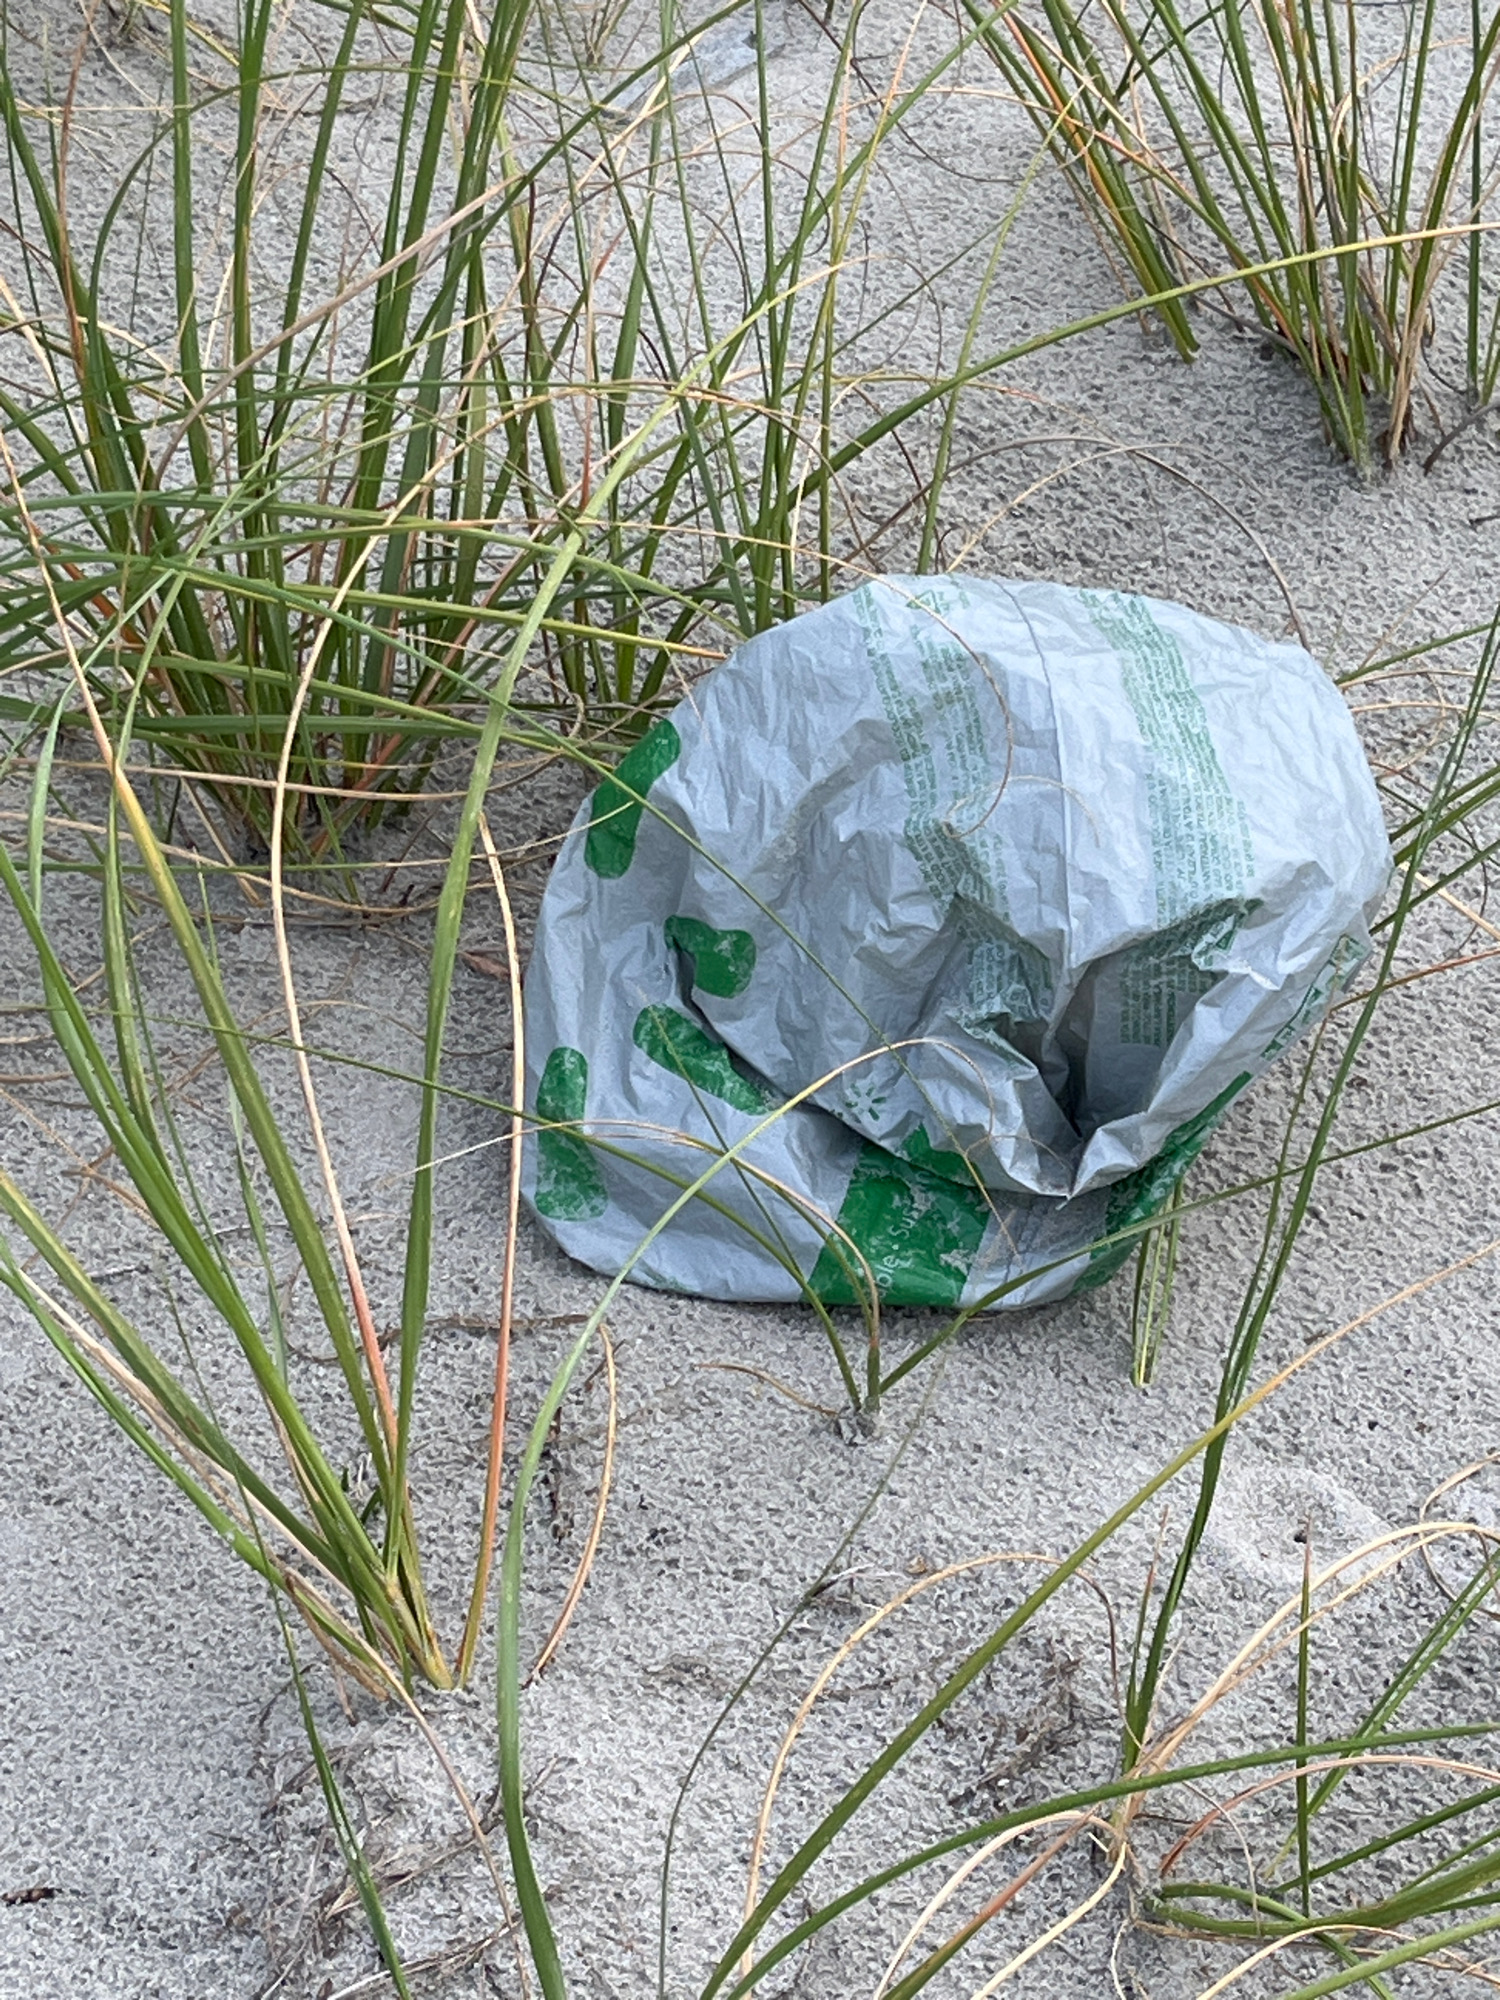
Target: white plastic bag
x: 1020, y: 884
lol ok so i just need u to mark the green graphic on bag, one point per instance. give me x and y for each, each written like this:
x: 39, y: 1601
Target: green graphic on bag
x: 616, y: 807
x: 569, y: 1187
x: 677, y: 1043
x: 723, y: 962
x: 1141, y: 1194
x: 917, y: 1230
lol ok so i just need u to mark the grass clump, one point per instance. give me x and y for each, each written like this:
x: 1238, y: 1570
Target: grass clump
x: 569, y: 409
x: 1344, y: 150
x: 560, y: 422
x: 307, y: 501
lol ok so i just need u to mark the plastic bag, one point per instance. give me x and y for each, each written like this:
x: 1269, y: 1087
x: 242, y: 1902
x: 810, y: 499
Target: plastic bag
x: 1004, y: 890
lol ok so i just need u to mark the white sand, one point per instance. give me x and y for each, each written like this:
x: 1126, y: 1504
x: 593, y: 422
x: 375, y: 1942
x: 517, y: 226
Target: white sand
x: 155, y: 1774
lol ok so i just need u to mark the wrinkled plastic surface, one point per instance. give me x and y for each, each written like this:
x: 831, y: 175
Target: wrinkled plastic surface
x: 1010, y: 888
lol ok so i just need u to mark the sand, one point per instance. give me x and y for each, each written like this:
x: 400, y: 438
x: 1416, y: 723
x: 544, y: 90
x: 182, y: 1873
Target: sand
x: 155, y: 1784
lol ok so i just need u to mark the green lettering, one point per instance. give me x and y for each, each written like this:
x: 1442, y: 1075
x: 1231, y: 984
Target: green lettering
x: 918, y: 1231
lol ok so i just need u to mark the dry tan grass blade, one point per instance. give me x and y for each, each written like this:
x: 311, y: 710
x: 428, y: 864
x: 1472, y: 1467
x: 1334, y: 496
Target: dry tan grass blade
x: 596, y: 1525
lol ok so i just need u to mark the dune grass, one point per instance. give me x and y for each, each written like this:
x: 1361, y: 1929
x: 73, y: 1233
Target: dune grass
x: 495, y: 487
x: 282, y: 557
x: 1223, y: 135
x: 350, y: 1569
x: 314, y: 503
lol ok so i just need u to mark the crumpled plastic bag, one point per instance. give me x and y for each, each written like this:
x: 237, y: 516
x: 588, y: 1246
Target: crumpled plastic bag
x: 1004, y: 890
